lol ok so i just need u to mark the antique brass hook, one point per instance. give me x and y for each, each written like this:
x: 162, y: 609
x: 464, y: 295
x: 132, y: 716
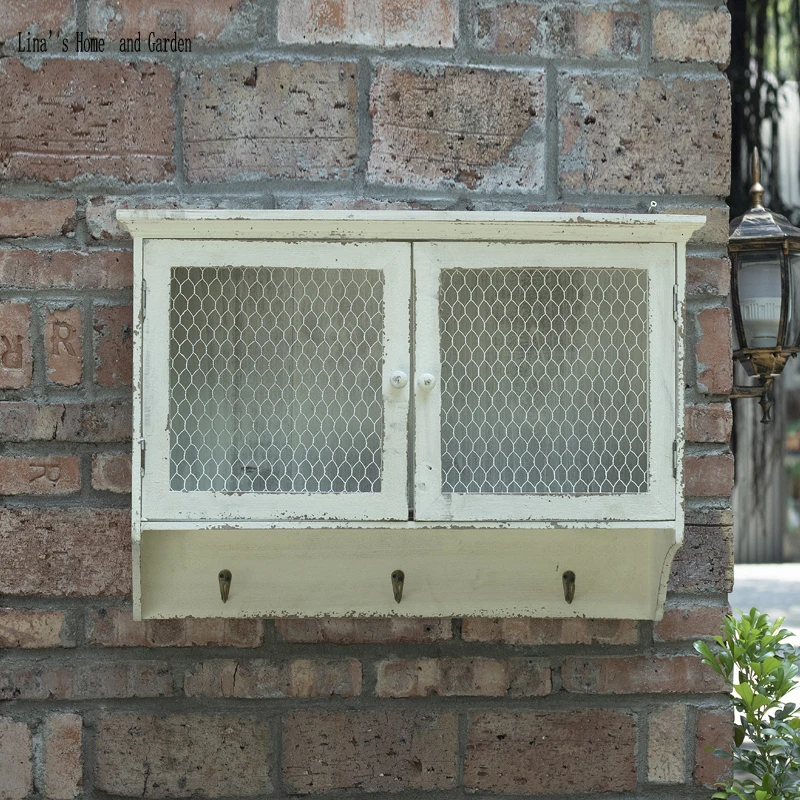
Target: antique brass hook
x: 398, y: 578
x: 224, y: 584
x: 568, y: 581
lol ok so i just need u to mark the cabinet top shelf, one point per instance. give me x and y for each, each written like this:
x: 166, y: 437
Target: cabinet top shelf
x: 409, y: 226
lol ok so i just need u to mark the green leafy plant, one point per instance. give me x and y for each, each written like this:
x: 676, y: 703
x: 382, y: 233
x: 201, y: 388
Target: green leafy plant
x: 760, y: 665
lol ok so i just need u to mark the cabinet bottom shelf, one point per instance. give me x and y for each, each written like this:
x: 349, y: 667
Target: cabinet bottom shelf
x: 486, y: 572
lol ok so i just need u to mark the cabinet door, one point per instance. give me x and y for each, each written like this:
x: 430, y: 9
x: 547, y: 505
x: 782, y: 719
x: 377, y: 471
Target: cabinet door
x: 551, y: 381
x: 266, y: 380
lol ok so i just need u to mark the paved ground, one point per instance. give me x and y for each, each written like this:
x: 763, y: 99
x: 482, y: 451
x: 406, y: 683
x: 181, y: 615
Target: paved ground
x: 771, y: 588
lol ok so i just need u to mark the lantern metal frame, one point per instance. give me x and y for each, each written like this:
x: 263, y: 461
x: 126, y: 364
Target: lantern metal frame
x: 760, y: 229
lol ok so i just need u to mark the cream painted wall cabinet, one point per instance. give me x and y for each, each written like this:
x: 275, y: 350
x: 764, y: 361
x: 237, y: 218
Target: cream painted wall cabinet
x: 481, y: 401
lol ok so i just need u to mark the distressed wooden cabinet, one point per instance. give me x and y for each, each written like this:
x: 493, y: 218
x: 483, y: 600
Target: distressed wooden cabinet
x: 483, y: 401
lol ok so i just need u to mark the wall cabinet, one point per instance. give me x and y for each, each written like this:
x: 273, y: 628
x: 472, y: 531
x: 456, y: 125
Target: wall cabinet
x: 483, y: 402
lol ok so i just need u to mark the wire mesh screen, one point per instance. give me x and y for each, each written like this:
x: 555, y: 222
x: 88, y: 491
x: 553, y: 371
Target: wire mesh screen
x: 544, y: 380
x: 276, y: 379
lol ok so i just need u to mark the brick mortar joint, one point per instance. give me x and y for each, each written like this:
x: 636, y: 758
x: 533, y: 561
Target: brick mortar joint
x: 274, y: 708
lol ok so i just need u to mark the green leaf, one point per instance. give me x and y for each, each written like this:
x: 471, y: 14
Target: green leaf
x: 770, y: 664
x: 759, y: 700
x: 745, y: 691
x: 709, y: 657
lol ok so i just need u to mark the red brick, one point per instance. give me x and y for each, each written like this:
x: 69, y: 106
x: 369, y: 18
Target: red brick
x: 383, y: 751
x: 65, y: 551
x: 704, y: 562
x: 688, y: 624
x: 48, y: 475
x: 666, y: 743
x: 458, y: 127
x: 111, y: 473
x: 16, y: 756
x: 96, y: 422
x: 115, y: 627
x: 644, y: 134
x: 44, y: 680
x: 714, y: 729
x: 25, y: 422
x: 16, y: 357
x: 316, y: 678
x: 525, y: 753
x: 186, y: 755
x: 711, y: 423
x: 113, y: 345
x: 256, y: 678
x: 278, y: 119
x: 473, y: 677
x: 35, y: 17
x: 693, y: 34
x: 63, y: 761
x: 24, y: 628
x: 387, y: 23
x: 550, y: 631
x: 77, y: 117
x: 66, y: 269
x: 708, y: 275
x: 138, y: 679
x: 200, y: 19
x: 708, y: 475
x: 63, y: 343
x: 73, y: 422
x: 638, y: 675
x: 550, y: 30
x: 714, y: 351
x: 166, y: 633
x: 365, y: 631
x: 27, y: 217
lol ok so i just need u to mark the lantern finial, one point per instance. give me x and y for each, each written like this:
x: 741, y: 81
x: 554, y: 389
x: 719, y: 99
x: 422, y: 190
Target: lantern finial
x: 756, y: 190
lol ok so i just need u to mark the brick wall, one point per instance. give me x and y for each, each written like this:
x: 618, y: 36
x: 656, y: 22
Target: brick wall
x: 430, y: 104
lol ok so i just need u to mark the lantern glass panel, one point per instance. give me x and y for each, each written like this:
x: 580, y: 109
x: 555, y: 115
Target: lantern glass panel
x: 793, y: 327
x: 759, y: 280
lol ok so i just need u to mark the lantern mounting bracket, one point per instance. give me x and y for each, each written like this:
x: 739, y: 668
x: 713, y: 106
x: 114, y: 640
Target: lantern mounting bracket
x: 763, y: 391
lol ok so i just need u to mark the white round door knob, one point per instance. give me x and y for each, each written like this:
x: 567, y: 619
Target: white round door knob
x: 426, y: 381
x: 399, y: 379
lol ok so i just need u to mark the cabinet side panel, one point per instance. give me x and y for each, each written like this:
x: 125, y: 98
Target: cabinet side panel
x: 136, y: 470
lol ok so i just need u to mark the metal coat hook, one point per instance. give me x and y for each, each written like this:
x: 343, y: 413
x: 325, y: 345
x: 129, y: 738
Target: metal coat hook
x: 568, y: 581
x: 398, y: 579
x: 224, y: 584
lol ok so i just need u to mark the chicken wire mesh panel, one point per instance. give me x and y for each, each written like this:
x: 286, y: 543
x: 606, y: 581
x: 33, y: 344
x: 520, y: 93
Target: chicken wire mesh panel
x: 544, y: 381
x: 276, y: 379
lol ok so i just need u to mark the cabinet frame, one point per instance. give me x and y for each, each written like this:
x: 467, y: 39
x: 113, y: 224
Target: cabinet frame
x: 502, y: 568
x: 393, y: 260
x: 658, y: 502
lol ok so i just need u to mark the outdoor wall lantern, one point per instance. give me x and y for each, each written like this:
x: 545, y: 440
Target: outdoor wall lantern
x: 764, y: 248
